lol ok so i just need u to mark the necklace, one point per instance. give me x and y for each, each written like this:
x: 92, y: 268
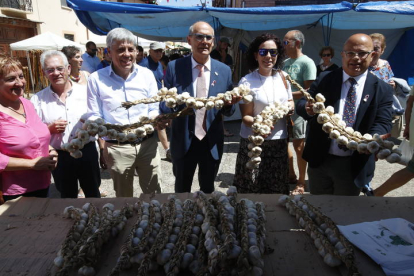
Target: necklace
x: 273, y: 88
x: 75, y: 79
x: 21, y: 114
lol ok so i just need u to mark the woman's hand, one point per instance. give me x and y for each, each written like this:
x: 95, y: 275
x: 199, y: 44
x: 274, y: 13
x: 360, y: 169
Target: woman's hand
x: 57, y: 126
x: 45, y: 163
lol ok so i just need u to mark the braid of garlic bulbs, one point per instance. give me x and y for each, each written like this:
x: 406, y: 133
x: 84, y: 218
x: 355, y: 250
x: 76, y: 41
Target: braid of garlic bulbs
x: 333, y: 125
x: 172, y: 99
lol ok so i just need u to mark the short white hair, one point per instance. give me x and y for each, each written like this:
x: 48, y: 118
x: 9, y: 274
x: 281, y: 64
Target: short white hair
x: 120, y: 34
x: 52, y: 53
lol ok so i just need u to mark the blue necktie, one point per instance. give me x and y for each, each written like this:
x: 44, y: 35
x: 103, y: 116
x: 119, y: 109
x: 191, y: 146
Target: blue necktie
x: 349, y: 113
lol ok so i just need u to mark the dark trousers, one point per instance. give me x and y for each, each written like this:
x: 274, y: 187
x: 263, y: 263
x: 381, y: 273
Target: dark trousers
x: 184, y: 168
x: 85, y: 169
x: 39, y: 193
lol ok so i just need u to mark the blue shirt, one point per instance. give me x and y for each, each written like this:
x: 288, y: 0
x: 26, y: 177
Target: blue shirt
x: 107, y: 90
x: 155, y: 67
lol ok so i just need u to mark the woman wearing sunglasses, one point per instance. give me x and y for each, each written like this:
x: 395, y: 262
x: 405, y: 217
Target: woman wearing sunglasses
x: 326, y: 53
x: 268, y: 85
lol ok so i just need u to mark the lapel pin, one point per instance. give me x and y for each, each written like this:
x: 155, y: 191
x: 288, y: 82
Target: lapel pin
x: 216, y: 73
x: 366, y: 98
x: 214, y: 82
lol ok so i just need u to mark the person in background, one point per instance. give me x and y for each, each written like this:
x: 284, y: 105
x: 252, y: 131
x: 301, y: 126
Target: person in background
x: 302, y: 69
x: 153, y: 63
x: 106, y: 61
x: 268, y: 85
x: 140, y: 54
x: 220, y: 54
x: 402, y: 176
x: 73, y: 54
x: 380, y: 67
x: 365, y: 104
x: 198, y: 140
x: 164, y: 61
x: 326, y: 53
x: 26, y: 158
x: 124, y: 81
x: 61, y: 106
x: 90, y: 60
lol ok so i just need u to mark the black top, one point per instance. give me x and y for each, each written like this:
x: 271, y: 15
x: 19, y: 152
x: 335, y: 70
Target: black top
x: 216, y: 55
x: 330, y: 68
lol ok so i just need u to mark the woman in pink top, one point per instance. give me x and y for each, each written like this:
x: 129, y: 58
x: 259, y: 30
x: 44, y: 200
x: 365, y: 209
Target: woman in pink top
x: 26, y: 158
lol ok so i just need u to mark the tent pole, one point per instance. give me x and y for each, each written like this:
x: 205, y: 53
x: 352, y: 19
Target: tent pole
x: 30, y: 70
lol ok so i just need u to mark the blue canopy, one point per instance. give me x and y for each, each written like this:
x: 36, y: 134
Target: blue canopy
x: 325, y: 24
x: 171, y: 23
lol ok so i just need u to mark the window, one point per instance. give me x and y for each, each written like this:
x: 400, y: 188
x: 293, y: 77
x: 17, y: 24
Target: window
x: 69, y: 36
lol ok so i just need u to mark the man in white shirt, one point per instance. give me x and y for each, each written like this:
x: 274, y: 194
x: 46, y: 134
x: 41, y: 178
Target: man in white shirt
x: 90, y: 60
x: 365, y: 104
x: 61, y: 106
x: 124, y: 81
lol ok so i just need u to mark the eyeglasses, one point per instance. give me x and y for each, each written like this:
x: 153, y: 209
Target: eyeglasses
x: 52, y: 70
x: 286, y: 42
x: 326, y: 55
x: 201, y: 37
x: 362, y: 54
x: 264, y: 52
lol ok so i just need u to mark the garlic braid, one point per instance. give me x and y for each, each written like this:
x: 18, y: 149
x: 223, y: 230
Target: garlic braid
x: 333, y: 125
x: 124, y: 262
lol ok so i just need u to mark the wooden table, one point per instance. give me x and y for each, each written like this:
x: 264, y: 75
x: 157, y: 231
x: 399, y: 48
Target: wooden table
x: 33, y: 229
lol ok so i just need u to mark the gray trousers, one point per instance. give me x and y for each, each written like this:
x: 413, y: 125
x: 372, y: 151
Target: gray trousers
x: 333, y: 177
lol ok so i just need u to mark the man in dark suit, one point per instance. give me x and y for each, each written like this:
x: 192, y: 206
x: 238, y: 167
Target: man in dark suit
x: 198, y: 139
x: 365, y: 102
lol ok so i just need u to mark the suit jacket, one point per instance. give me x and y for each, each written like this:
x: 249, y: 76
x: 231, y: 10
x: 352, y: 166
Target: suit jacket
x: 373, y: 116
x: 179, y: 75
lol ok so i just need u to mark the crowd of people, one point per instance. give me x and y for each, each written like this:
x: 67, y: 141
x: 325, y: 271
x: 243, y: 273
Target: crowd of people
x: 84, y: 87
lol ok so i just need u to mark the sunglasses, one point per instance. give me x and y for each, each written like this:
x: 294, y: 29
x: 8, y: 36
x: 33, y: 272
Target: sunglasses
x: 326, y: 55
x: 201, y: 37
x: 286, y: 42
x: 264, y: 52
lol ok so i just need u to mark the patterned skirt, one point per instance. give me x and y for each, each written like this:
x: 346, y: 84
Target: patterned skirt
x: 272, y: 175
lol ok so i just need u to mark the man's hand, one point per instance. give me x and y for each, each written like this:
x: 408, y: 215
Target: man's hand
x: 392, y: 83
x: 102, y: 161
x: 234, y: 100
x: 406, y: 133
x: 45, y: 163
x: 57, y: 126
x: 309, y: 108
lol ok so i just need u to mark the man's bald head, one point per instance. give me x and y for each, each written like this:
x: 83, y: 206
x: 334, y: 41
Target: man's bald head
x: 357, y: 54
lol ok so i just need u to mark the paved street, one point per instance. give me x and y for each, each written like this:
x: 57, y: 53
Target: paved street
x: 225, y: 176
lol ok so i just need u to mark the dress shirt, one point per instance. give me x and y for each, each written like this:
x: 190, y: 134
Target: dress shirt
x: 195, y: 72
x: 50, y: 108
x: 155, y: 67
x: 90, y: 63
x: 23, y: 140
x: 334, y: 149
x: 107, y: 90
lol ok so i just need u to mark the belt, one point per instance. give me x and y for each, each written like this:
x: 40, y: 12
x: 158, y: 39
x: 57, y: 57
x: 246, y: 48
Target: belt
x: 134, y: 143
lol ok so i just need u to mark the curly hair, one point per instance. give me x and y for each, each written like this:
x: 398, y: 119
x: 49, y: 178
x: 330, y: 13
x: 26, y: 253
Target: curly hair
x: 331, y: 51
x: 9, y: 64
x: 254, y: 48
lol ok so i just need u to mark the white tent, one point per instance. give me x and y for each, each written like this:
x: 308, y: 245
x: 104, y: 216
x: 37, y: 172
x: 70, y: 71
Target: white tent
x: 45, y: 41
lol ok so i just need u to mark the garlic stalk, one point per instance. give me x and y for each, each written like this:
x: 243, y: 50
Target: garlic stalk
x: 337, y: 130
x: 172, y: 99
